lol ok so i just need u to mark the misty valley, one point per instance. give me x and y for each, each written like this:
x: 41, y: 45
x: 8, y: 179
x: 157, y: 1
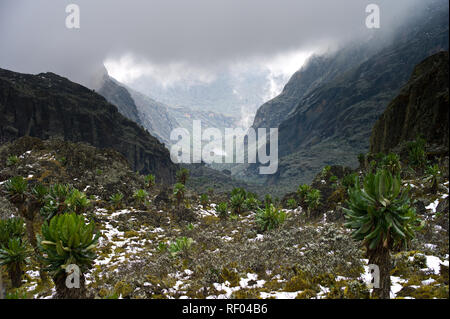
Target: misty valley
x: 224, y: 150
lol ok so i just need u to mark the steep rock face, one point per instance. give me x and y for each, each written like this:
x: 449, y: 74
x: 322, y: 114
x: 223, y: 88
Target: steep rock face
x: 421, y: 108
x: 154, y: 116
x: 116, y: 94
x: 345, y: 109
x: 333, y: 121
x: 47, y: 105
x: 318, y: 70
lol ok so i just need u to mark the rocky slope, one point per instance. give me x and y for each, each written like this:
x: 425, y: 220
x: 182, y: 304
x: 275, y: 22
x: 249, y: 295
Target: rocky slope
x: 421, y: 108
x: 47, y: 105
x: 228, y: 258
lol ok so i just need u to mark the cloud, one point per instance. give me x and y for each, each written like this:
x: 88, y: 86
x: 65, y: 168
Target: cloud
x: 177, y: 34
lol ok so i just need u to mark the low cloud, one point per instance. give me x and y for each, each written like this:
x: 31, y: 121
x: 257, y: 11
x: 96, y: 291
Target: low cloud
x: 172, y: 35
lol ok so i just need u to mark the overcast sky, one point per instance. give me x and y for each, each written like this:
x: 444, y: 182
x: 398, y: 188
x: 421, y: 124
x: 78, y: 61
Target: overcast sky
x: 199, y: 34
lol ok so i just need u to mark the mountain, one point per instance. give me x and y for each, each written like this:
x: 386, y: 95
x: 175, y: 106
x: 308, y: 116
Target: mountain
x: 236, y: 93
x: 120, y: 97
x: 333, y: 119
x: 158, y: 118
x: 319, y: 69
x: 47, y: 105
x: 154, y: 116
x: 421, y: 108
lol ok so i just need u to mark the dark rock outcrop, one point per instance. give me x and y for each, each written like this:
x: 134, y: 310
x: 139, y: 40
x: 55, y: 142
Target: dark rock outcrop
x: 421, y: 108
x: 47, y: 105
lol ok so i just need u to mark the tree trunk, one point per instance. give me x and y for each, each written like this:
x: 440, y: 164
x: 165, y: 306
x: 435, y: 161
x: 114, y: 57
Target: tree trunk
x: 382, y: 258
x: 15, y: 274
x: 1, y: 283
x: 63, y: 292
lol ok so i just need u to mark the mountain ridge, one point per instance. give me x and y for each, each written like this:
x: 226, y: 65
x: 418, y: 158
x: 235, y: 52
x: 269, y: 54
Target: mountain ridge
x: 48, y: 105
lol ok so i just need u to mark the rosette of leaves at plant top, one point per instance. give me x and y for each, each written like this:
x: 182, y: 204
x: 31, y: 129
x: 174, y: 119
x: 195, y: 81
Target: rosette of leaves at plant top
x: 270, y: 218
x: 55, y: 201
x: 14, y: 254
x: 391, y: 162
x: 251, y: 204
x: 116, y: 199
x: 149, y: 180
x: 237, y: 203
x: 222, y: 210
x: 303, y: 190
x: 182, y: 175
x: 12, y: 160
x: 380, y: 212
x: 77, y: 201
x: 66, y: 239
x: 204, y: 200
x: 11, y: 228
x: 312, y: 199
x: 16, y: 189
x: 182, y: 244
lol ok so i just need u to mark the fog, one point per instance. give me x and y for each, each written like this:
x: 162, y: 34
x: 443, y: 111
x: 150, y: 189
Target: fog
x: 202, y: 36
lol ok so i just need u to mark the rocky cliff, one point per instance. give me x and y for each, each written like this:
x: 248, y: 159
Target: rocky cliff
x: 333, y: 119
x: 421, y: 108
x: 119, y: 96
x: 47, y: 105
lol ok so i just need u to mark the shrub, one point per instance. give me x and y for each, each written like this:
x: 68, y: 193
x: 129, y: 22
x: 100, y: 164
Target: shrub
x: 303, y: 190
x: 222, y: 210
x: 66, y: 239
x: 391, y: 162
x: 434, y: 175
x: 11, y: 228
x: 251, y: 204
x: 77, y: 201
x: 269, y: 218
x: 417, y: 156
x: 204, y: 200
x: 292, y: 203
x: 349, y: 180
x: 237, y: 203
x: 150, y: 180
x: 116, y: 200
x: 140, y: 196
x: 178, y: 191
x: 64, y: 198
x: 14, y: 256
x: 381, y: 217
x: 16, y: 187
x: 238, y: 191
x: 181, y: 245
x: 183, y: 176
x: 13, y: 251
x: 313, y: 199
x: 12, y: 160
x: 39, y: 192
x: 325, y: 171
